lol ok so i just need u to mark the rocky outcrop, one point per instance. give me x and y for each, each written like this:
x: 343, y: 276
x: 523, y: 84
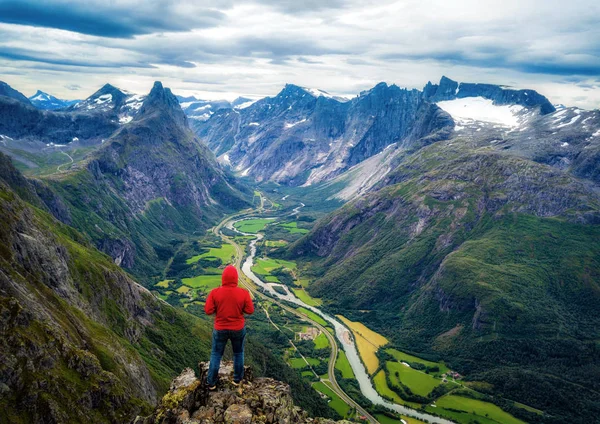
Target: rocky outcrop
x: 256, y: 400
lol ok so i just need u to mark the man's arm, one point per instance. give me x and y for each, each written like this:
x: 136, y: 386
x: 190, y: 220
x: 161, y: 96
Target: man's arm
x: 248, y: 305
x: 210, y: 307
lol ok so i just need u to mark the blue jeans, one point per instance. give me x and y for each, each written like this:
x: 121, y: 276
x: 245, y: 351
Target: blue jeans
x: 219, y: 341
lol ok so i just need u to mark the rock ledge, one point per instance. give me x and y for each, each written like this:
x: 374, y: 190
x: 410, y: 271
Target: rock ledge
x: 256, y: 400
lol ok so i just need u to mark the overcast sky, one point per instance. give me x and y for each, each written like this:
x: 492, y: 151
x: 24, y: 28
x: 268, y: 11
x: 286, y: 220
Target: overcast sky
x: 225, y: 48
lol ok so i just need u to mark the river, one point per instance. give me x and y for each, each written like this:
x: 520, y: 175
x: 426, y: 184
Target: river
x: 342, y: 333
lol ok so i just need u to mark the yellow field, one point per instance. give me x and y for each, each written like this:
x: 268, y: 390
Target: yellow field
x: 368, y: 343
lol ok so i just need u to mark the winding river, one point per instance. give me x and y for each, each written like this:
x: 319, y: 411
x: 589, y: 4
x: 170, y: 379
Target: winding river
x: 342, y: 333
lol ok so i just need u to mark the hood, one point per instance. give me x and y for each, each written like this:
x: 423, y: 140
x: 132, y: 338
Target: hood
x: 230, y: 276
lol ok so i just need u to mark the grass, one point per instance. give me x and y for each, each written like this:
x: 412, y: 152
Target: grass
x: 336, y: 402
x: 343, y: 365
x: 164, y: 284
x: 313, y: 316
x: 384, y: 419
x: 405, y: 357
x: 367, y: 341
x: 321, y: 341
x: 300, y: 363
x: 207, y: 281
x: 418, y: 382
x: 183, y: 289
x: 226, y: 253
x: 384, y: 390
x: 306, y: 298
x: 276, y: 243
x: 252, y: 225
x: 484, y: 412
x: 292, y: 227
x: 264, y: 266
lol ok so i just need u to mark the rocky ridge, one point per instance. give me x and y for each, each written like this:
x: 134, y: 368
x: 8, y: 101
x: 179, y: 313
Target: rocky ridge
x: 256, y: 400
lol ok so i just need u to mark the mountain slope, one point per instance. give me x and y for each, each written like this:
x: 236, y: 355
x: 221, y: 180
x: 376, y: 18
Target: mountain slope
x: 81, y: 341
x: 304, y: 136
x: 7, y: 91
x: 151, y: 183
x: 482, y: 258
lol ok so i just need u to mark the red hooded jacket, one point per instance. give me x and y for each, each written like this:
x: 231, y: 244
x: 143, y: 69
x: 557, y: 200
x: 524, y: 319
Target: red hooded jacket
x: 229, y: 301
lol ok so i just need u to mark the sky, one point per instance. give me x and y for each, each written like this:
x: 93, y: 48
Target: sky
x: 223, y: 48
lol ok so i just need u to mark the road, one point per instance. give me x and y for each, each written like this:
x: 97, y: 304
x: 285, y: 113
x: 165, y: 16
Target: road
x: 244, y: 280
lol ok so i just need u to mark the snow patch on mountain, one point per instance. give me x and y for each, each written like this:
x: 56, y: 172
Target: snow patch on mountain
x: 470, y: 109
x: 293, y: 124
x: 245, y: 104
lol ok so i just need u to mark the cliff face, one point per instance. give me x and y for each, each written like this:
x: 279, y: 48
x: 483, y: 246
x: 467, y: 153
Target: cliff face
x: 256, y: 400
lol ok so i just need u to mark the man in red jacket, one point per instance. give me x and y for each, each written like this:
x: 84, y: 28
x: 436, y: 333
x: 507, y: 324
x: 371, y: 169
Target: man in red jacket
x: 230, y: 303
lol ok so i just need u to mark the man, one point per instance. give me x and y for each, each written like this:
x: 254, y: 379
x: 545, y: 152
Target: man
x: 230, y: 303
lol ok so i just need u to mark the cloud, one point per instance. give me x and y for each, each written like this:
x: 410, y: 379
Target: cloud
x: 72, y: 87
x: 108, y: 19
x: 254, y: 47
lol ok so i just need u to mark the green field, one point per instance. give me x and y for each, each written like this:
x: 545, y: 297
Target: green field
x: 321, y: 341
x: 183, y: 289
x: 306, y: 298
x: 343, y: 365
x: 292, y: 227
x: 252, y: 225
x: 276, y: 243
x: 336, y: 403
x: 383, y: 389
x: 313, y: 316
x: 264, y: 266
x: 308, y: 374
x: 405, y: 357
x: 207, y: 281
x: 384, y: 419
x: 226, y: 253
x: 418, y: 382
x: 484, y: 412
x: 164, y: 284
x: 299, y: 362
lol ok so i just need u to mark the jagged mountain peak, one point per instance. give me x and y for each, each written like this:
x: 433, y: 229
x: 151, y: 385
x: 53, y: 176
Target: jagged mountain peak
x: 161, y: 99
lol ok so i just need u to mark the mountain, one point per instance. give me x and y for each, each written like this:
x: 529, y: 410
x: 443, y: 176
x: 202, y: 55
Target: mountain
x: 7, y: 91
x: 31, y: 129
x: 112, y: 100
x: 567, y: 139
x: 150, y: 182
x: 80, y: 338
x: 481, y: 249
x: 304, y: 136
x: 46, y: 101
